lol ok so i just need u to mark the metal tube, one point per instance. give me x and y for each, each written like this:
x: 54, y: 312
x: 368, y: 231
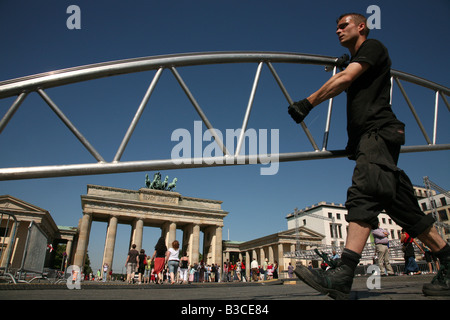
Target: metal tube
x: 169, y: 164
x: 327, y: 126
x: 112, y: 68
x: 290, y: 101
x: 413, y: 111
x: 200, y: 111
x: 83, y: 73
x: 445, y: 100
x: 138, y: 115
x: 12, y: 110
x: 69, y: 125
x: 249, y: 109
x: 436, y: 103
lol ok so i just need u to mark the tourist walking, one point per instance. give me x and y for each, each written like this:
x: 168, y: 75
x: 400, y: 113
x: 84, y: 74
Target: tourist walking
x: 173, y: 260
x: 159, y: 257
x: 381, y: 240
x: 105, y: 271
x: 131, y: 263
x: 254, y: 269
x: 142, y: 259
x: 411, y: 267
x: 184, y: 266
x: 147, y: 269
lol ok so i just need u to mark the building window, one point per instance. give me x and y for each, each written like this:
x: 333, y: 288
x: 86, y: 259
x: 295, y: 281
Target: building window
x: 330, y: 215
x: 304, y: 222
x: 336, y: 230
x: 338, y: 216
x: 392, y: 234
x: 443, y: 201
x: 384, y: 220
x: 442, y: 215
x: 424, y: 206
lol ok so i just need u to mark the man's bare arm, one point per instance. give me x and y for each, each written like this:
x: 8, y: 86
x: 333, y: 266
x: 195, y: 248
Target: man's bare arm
x: 338, y: 83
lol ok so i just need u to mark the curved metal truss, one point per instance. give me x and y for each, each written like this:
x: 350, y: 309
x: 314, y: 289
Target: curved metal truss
x: 21, y: 87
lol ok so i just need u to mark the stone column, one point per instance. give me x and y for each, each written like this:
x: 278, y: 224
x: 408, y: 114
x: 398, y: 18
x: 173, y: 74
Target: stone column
x: 209, y: 235
x: 169, y: 232
x: 270, y: 254
x: 172, y: 234
x: 262, y: 256
x: 247, y: 265
x: 83, y: 240
x: 137, y: 230
x: 69, y: 253
x: 255, y: 255
x: 108, y: 254
x: 187, y: 241
x: 195, y: 244
x: 218, y: 247
x: 281, y: 264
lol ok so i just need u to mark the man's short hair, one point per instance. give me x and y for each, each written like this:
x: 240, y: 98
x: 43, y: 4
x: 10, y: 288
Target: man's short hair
x: 357, y: 18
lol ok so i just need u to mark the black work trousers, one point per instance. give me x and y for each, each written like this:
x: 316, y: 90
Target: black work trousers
x: 378, y: 184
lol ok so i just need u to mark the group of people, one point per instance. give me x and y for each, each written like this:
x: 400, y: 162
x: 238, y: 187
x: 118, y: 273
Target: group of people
x: 162, y: 265
x: 411, y: 268
x: 266, y: 271
x: 169, y: 266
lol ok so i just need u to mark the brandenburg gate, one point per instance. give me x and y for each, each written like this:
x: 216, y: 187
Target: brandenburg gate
x: 147, y: 207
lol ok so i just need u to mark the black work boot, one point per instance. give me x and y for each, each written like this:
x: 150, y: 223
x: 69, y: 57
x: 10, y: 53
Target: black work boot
x: 440, y: 285
x: 335, y: 282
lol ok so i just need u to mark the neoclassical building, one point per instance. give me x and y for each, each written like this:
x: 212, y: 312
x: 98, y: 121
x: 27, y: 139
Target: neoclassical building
x: 147, y: 207
x: 273, y: 247
x: 26, y: 215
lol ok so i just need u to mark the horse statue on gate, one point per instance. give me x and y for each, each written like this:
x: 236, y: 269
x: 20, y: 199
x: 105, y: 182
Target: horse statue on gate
x: 157, y: 184
x: 172, y: 185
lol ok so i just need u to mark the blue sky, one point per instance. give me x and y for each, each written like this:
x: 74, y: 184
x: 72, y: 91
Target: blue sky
x: 35, y: 39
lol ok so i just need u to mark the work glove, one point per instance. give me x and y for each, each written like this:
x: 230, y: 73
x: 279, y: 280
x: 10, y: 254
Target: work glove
x: 299, y: 110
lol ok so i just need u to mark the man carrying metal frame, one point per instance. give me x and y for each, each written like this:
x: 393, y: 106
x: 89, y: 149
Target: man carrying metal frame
x: 374, y: 139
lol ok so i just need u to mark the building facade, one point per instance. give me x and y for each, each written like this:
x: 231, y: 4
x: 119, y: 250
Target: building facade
x: 439, y: 206
x: 328, y: 219
x: 26, y: 215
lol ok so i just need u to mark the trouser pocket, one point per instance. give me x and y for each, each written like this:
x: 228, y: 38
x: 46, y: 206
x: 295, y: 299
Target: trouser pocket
x: 380, y: 181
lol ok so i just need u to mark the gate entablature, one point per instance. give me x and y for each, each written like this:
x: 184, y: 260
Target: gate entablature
x: 155, y: 207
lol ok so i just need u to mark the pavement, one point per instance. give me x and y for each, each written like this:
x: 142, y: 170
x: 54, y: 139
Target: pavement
x: 257, y: 300
x: 387, y: 288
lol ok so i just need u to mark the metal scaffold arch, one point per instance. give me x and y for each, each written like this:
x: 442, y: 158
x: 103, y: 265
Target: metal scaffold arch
x: 22, y: 87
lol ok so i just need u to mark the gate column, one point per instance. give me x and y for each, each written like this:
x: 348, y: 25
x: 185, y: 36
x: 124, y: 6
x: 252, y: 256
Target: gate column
x: 218, y: 247
x: 110, y: 242
x: 137, y: 230
x: 195, y: 244
x: 83, y: 240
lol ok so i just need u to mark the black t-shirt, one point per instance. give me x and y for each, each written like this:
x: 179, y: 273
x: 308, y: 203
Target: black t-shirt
x: 368, y: 97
